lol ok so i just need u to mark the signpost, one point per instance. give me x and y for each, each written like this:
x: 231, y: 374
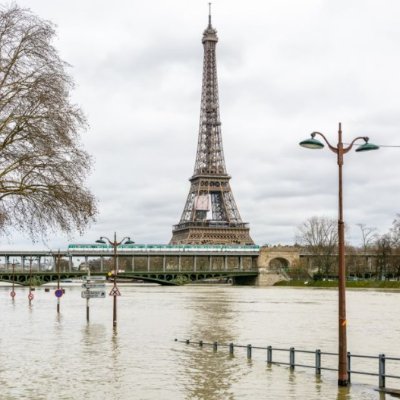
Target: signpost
x: 91, y: 294
x: 94, y: 289
x: 12, y: 294
x: 59, y: 291
x: 94, y: 285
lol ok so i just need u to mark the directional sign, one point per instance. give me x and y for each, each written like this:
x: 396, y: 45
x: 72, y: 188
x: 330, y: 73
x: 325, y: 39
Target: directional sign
x: 89, y: 285
x: 93, y: 294
x: 59, y: 292
x: 94, y: 278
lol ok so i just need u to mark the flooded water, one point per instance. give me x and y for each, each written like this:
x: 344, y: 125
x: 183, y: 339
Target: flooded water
x: 44, y: 355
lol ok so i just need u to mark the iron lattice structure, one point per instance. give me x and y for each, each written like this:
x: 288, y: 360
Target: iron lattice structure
x: 210, y: 214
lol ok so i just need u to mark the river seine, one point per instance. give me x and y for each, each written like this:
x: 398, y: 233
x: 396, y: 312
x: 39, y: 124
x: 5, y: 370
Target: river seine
x: 48, y: 356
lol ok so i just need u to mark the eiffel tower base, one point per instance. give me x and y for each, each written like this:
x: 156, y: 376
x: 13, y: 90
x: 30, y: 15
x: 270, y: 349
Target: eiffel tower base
x: 204, y: 235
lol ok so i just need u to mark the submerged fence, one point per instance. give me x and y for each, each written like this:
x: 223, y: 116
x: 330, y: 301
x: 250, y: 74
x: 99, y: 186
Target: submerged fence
x: 381, y: 360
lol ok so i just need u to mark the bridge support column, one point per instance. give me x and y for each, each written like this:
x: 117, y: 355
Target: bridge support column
x: 39, y: 263
x: 164, y: 263
x: 101, y: 264
x: 70, y: 263
x: 195, y: 263
x: 179, y: 263
x: 148, y: 263
x: 117, y: 263
x: 226, y: 263
x: 133, y: 263
x: 210, y: 264
x: 86, y: 261
x: 241, y: 263
x: 7, y: 262
x: 268, y: 278
x: 23, y: 263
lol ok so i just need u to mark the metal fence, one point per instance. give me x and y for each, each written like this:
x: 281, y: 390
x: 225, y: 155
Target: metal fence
x: 381, y: 360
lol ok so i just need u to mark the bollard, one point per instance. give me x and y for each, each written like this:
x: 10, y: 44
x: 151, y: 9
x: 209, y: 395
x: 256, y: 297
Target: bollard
x: 381, y: 370
x: 269, y: 354
x: 231, y: 349
x: 249, y: 351
x: 201, y: 343
x: 348, y: 367
x: 187, y: 341
x: 215, y: 346
x: 318, y: 362
x: 291, y: 358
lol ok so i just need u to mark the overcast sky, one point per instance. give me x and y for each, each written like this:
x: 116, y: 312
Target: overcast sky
x: 285, y: 69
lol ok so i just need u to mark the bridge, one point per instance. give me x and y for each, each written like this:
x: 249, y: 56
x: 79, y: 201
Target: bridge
x: 172, y: 278
x: 164, y: 264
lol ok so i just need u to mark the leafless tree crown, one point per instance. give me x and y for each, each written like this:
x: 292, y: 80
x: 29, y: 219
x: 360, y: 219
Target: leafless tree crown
x: 42, y: 163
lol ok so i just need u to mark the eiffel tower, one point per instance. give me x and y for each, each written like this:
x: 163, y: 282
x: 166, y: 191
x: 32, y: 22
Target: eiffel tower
x: 210, y: 215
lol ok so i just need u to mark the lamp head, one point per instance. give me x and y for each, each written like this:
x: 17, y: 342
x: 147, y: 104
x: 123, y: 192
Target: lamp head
x: 367, y: 146
x: 101, y: 241
x: 129, y: 241
x: 311, y: 143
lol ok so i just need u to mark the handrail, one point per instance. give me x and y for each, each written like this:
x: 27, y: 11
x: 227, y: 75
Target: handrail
x: 381, y: 374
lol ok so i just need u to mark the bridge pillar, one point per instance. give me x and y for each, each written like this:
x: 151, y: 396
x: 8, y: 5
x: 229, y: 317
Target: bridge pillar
x: 148, y: 263
x: 7, y: 262
x: 226, y: 263
x: 268, y: 278
x: 241, y: 263
x: 164, y: 263
x: 133, y: 263
x: 117, y: 263
x: 70, y: 263
x: 195, y: 263
x: 179, y: 263
x: 39, y: 263
x: 210, y: 264
x: 23, y: 263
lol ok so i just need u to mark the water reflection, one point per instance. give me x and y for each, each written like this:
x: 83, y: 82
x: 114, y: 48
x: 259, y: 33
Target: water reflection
x: 209, y: 374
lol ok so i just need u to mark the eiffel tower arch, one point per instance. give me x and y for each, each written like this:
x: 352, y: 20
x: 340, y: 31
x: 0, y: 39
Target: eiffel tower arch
x: 210, y: 215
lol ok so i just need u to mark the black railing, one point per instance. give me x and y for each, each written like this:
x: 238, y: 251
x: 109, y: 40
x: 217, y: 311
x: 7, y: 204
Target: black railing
x: 317, y: 365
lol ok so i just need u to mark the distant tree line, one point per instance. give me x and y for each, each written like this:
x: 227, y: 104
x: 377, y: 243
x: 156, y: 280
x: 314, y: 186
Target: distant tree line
x: 377, y: 256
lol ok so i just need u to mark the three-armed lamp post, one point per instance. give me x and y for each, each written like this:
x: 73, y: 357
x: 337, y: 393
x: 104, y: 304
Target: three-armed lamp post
x: 114, y: 291
x: 340, y: 150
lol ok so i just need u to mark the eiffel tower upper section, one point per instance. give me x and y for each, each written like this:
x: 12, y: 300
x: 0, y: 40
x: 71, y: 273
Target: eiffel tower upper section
x: 210, y: 214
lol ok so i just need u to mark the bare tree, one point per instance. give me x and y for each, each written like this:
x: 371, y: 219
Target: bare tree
x: 319, y: 236
x: 395, y: 231
x: 42, y: 163
x: 369, y: 237
x: 395, y: 239
x: 383, y: 256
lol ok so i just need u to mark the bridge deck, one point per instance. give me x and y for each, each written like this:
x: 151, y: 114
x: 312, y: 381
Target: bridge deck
x: 162, y: 277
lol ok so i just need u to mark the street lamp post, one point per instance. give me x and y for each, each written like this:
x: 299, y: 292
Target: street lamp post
x: 340, y: 150
x: 115, y: 291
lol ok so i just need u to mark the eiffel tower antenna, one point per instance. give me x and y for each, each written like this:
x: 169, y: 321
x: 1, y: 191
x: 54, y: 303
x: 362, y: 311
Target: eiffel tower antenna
x: 210, y: 214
